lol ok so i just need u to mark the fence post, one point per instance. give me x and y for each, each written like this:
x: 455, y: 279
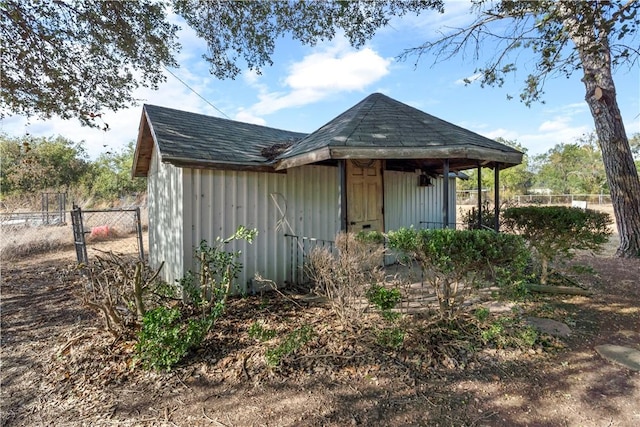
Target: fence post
x: 139, y: 232
x: 78, y: 236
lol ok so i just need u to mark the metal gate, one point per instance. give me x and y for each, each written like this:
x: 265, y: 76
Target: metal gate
x: 113, y: 226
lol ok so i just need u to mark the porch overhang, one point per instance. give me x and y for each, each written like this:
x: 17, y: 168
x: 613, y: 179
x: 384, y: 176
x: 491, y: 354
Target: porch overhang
x: 461, y: 157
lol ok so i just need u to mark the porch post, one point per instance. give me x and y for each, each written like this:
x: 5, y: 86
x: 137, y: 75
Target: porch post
x: 479, y: 196
x: 445, y: 195
x: 496, y: 191
x: 342, y: 190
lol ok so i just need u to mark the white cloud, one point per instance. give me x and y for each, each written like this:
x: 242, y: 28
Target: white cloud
x: 548, y: 135
x: 245, y: 116
x: 501, y: 133
x: 557, y: 125
x: 468, y: 80
x: 329, y: 70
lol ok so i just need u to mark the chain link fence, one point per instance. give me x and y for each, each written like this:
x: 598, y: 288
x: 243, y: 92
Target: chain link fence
x: 23, y: 235
x: 111, y: 230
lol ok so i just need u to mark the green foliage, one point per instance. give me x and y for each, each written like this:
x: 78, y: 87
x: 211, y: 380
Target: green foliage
x: 31, y: 164
x: 514, y: 180
x: 77, y: 58
x: 217, y: 267
x: 391, y: 337
x: 554, y: 232
x: 259, y: 332
x: 481, y: 313
x: 575, y: 168
x: 290, y: 344
x: 452, y: 259
x: 110, y: 176
x: 507, y: 332
x: 249, y: 30
x: 370, y: 237
x: 91, y: 56
x: 166, y: 337
x: 383, y: 298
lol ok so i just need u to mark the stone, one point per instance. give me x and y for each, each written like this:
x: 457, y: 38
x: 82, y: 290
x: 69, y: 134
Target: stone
x: 549, y: 326
x: 625, y: 356
x: 499, y: 307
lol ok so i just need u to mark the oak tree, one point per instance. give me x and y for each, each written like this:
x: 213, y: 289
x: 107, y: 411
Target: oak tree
x: 76, y: 58
x: 565, y: 36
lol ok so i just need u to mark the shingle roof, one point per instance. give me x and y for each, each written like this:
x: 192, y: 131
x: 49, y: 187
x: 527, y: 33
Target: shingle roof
x: 381, y: 126
x: 184, y: 137
x: 378, y: 127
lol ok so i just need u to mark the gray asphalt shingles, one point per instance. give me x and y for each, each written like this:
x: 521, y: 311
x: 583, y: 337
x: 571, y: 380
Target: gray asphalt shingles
x: 376, y: 122
x: 180, y: 134
x: 380, y: 121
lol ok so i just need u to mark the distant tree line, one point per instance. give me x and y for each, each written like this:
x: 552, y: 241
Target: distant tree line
x: 32, y: 165
x: 567, y: 168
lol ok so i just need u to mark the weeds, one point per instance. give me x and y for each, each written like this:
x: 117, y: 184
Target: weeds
x: 290, y: 344
x: 392, y: 337
x: 258, y: 331
x: 507, y: 332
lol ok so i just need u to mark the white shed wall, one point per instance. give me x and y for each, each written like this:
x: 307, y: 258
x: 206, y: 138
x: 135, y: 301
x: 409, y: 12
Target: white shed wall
x: 304, y: 202
x: 407, y: 204
x: 189, y: 205
x: 166, y: 242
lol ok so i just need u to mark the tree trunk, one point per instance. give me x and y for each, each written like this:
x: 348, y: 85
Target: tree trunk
x: 622, y: 175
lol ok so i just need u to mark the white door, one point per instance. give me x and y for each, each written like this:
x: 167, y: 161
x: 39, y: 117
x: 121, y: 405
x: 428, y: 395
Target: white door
x: 364, y: 195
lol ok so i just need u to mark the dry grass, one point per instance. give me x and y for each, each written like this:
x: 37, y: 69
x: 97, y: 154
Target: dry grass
x: 22, y: 242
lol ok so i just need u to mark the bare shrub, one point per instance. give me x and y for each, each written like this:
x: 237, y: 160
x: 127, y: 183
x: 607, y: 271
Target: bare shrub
x: 344, y: 278
x: 119, y: 289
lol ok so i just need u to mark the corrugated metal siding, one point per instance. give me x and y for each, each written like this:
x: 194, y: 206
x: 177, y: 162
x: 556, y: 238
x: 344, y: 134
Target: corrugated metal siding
x: 407, y: 204
x: 165, y: 218
x: 304, y: 201
x: 190, y: 205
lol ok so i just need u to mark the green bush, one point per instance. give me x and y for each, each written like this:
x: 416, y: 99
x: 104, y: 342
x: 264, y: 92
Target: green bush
x: 453, y: 259
x: 166, y: 338
x: 168, y: 334
x: 554, y: 232
x: 383, y: 298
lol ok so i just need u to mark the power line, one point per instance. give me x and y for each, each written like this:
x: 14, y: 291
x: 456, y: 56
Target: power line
x: 193, y: 90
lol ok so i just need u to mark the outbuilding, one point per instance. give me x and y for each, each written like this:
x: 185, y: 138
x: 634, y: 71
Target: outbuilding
x: 380, y: 165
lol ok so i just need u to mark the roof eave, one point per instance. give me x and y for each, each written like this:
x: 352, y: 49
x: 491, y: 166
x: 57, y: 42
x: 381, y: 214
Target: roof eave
x: 487, y: 155
x: 216, y: 164
x: 144, y: 148
x: 304, y: 159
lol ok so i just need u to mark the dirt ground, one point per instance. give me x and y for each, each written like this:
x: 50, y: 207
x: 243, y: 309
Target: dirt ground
x: 60, y: 368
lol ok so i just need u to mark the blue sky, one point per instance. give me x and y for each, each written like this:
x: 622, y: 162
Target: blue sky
x: 308, y: 86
